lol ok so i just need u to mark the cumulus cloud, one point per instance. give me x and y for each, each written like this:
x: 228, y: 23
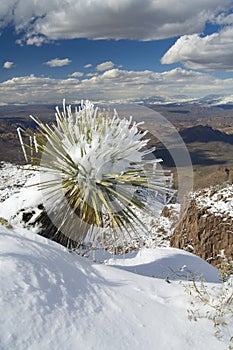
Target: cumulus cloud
x: 89, y: 65
x: 57, y: 62
x: 8, y: 64
x: 224, y: 19
x: 104, y: 66
x: 114, y: 85
x: 32, y: 89
x: 77, y: 75
x: 212, y: 52
x: 34, y: 40
x: 91, y: 74
x: 108, y: 19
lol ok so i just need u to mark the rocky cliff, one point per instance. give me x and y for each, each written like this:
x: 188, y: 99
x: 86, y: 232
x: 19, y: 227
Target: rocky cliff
x: 207, y: 227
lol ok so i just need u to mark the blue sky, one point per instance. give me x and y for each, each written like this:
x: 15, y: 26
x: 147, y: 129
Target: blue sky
x: 134, y: 50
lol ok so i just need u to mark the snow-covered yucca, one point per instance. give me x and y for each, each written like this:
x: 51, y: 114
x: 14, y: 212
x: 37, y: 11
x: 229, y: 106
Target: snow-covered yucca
x: 94, y: 174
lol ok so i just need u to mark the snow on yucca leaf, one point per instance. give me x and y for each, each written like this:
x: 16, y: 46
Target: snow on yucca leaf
x: 94, y: 172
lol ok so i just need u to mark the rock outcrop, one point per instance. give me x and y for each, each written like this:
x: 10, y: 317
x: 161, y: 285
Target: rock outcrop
x: 207, y: 227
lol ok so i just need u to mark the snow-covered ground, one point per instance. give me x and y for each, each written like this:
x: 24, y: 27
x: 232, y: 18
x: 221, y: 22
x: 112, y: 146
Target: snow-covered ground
x: 54, y: 299
x: 51, y: 298
x: 166, y: 263
x: 12, y: 178
x: 217, y: 200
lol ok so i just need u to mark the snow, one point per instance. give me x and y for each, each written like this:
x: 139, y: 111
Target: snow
x: 216, y: 200
x: 25, y: 198
x: 167, y: 263
x: 12, y: 178
x: 51, y: 298
x: 54, y: 299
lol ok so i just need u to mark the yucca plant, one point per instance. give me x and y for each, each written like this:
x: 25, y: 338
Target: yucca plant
x: 94, y: 173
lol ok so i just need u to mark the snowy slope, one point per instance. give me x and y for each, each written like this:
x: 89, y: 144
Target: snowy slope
x: 12, y: 178
x: 217, y: 200
x: 167, y: 263
x: 54, y: 299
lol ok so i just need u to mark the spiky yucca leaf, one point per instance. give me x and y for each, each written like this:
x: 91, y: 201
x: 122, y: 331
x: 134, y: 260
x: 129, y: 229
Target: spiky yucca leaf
x: 94, y: 172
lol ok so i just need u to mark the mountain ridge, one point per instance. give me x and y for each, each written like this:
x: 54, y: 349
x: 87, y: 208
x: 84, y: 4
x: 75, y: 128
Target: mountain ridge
x: 204, y: 133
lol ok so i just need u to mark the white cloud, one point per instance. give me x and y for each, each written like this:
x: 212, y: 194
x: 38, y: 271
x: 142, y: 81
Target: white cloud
x: 76, y: 74
x: 104, y: 19
x: 223, y: 18
x: 114, y: 85
x: 104, y: 66
x: 57, y: 62
x: 8, y: 64
x: 112, y: 74
x: 34, y: 40
x: 91, y: 74
x: 32, y: 89
x: 212, y: 52
x: 89, y: 65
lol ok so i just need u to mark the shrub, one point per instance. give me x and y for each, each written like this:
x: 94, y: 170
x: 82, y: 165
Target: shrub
x: 94, y: 173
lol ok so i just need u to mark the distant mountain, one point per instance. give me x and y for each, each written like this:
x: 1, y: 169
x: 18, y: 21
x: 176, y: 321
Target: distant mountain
x: 225, y: 100
x: 209, y: 99
x: 155, y: 100
x: 204, y: 133
x: 213, y: 100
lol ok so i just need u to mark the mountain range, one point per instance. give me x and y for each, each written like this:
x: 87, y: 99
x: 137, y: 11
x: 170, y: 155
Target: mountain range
x: 204, y: 133
x: 209, y: 100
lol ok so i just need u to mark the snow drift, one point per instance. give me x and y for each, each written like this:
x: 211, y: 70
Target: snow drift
x: 54, y: 299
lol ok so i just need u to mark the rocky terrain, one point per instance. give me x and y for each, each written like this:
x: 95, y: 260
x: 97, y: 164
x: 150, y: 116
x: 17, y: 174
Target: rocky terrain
x: 206, y: 229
